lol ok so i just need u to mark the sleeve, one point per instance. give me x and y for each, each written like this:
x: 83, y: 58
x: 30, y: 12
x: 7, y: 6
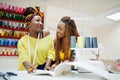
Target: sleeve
x: 51, y: 52
x: 23, y: 54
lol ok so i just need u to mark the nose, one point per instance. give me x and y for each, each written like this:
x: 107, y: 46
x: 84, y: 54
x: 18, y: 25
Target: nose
x: 41, y: 24
x: 58, y: 30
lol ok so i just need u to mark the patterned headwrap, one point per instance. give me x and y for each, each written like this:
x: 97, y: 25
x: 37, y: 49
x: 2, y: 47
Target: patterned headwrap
x: 36, y: 12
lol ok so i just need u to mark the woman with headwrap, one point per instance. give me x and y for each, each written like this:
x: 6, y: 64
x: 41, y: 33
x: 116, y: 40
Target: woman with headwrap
x: 35, y: 49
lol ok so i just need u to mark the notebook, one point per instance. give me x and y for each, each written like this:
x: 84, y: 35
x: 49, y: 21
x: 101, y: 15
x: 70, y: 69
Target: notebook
x: 65, y: 68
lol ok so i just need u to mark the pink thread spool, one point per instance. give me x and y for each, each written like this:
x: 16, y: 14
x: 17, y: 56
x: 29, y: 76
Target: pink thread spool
x: 16, y: 9
x: 5, y: 7
x: 1, y: 6
x: 20, y: 10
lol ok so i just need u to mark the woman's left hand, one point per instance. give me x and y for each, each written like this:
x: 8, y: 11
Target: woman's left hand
x: 47, y: 68
x: 66, y: 61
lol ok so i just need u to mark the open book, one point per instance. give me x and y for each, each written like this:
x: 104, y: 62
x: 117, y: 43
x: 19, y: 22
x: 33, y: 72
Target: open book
x: 61, y: 69
x: 65, y: 68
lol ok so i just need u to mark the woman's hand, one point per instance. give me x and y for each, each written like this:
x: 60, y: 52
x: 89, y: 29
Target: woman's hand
x: 47, y: 68
x: 66, y: 61
x: 29, y: 67
x: 48, y: 63
x: 53, y: 67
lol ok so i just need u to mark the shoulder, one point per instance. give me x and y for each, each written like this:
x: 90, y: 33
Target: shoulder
x: 24, y: 38
x: 46, y: 33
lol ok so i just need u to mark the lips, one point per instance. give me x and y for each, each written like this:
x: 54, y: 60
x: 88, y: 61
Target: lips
x: 40, y: 26
x: 58, y: 34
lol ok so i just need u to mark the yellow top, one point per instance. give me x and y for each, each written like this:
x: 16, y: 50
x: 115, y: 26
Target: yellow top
x: 45, y: 50
x: 62, y: 55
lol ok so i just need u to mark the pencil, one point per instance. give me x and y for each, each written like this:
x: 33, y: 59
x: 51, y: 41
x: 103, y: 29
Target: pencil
x: 31, y: 69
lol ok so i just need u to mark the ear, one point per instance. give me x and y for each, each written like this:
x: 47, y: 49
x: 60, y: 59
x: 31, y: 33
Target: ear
x: 28, y: 24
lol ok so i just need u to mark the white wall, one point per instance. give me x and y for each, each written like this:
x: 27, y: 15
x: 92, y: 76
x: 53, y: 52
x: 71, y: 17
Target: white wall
x: 107, y: 35
x: 55, y: 13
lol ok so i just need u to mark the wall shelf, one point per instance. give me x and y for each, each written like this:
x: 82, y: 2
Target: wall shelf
x: 16, y: 29
x: 12, y: 28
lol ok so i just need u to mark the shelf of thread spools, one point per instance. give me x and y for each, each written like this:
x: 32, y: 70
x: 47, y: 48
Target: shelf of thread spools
x: 9, y: 51
x: 11, y: 9
x: 12, y: 28
x: 14, y: 12
x: 9, y: 38
x: 86, y: 48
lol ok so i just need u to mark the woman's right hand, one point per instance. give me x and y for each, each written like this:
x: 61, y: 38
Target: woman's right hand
x: 29, y: 67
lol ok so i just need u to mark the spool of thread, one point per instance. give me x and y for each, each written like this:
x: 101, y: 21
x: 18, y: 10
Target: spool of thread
x: 20, y: 10
x: 1, y: 6
x: 4, y: 15
x: 5, y: 23
x: 12, y: 43
x: 8, y: 23
x: 9, y: 42
x: 8, y: 15
x: 1, y: 23
x: 4, y: 42
x: 87, y: 42
x: 16, y: 42
x: 16, y: 9
x: 0, y: 41
x: 5, y: 7
x: 73, y: 41
x: 1, y: 14
x: 8, y: 7
x: 8, y: 52
x: 80, y: 42
x: 94, y: 42
x: 12, y: 16
x: 13, y: 8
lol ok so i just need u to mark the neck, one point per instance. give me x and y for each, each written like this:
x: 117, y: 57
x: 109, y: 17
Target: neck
x: 34, y: 34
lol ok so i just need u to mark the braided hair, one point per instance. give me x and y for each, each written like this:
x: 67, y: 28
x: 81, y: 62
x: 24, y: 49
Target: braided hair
x: 64, y: 43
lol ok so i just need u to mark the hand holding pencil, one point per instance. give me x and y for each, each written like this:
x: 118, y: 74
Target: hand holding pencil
x: 31, y: 69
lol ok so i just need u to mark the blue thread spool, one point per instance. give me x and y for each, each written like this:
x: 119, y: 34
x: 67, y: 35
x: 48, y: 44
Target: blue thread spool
x: 94, y: 42
x: 73, y: 41
x: 87, y: 42
x: 9, y: 43
x: 5, y: 43
x: 15, y: 42
x: 12, y: 43
x: 2, y: 42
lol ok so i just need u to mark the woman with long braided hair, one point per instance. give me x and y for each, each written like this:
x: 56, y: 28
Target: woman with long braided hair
x: 65, y: 29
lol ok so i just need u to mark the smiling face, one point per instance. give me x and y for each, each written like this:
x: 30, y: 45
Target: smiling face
x: 36, y: 24
x: 61, y: 30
